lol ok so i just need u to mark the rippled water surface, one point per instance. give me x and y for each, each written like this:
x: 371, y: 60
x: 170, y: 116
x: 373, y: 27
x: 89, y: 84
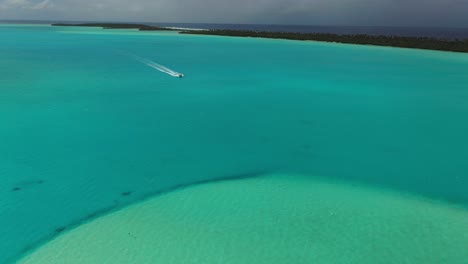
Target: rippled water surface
x: 90, y: 124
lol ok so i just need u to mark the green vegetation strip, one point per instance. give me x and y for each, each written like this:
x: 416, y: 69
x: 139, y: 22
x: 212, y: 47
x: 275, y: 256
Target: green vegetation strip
x: 362, y: 39
x: 117, y: 26
x: 392, y: 41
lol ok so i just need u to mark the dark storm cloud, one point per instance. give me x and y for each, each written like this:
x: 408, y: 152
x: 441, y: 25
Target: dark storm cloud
x: 329, y: 12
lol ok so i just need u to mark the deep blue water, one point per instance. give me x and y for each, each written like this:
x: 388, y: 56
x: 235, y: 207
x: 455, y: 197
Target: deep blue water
x: 440, y: 32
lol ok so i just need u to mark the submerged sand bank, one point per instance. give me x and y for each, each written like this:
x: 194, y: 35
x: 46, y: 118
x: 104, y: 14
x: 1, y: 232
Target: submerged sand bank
x: 274, y: 219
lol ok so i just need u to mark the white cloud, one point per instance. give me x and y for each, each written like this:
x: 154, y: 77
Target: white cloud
x: 43, y: 4
x: 25, y: 4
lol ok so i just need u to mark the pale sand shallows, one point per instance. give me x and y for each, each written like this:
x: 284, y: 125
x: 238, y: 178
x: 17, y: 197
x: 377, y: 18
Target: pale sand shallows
x: 276, y: 219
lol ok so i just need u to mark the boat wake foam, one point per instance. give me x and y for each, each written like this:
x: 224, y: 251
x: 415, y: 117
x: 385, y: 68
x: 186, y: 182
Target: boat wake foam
x: 163, y: 69
x: 157, y: 66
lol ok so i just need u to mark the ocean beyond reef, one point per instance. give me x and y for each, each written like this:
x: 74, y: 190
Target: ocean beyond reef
x: 363, y: 39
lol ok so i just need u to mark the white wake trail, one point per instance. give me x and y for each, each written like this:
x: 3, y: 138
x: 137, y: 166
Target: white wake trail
x: 156, y: 66
x: 163, y: 69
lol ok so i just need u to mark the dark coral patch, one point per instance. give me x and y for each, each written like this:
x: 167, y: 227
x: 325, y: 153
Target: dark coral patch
x: 126, y: 193
x: 60, y: 229
x: 26, y: 184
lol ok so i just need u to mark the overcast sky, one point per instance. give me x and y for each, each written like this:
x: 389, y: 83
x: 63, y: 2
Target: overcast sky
x: 315, y: 12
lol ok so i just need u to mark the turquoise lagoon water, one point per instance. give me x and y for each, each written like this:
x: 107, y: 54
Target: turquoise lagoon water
x: 87, y: 129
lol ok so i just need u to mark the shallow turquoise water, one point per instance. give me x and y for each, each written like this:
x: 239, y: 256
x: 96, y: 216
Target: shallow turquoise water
x: 86, y: 128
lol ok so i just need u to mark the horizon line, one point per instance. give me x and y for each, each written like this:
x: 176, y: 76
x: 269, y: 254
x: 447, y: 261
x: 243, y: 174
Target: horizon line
x: 225, y: 23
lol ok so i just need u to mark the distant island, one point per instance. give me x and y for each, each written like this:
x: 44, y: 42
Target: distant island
x: 361, y: 39
x: 117, y: 26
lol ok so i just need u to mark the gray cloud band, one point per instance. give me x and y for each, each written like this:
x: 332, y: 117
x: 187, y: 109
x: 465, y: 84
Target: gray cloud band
x: 319, y: 12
